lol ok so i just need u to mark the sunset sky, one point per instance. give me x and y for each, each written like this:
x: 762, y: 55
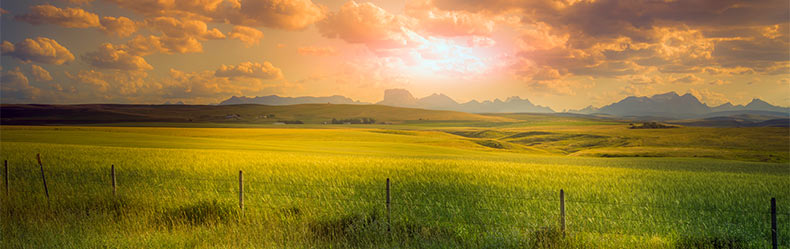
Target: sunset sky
x: 562, y: 54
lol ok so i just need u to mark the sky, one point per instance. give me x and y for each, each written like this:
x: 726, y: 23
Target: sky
x: 565, y: 54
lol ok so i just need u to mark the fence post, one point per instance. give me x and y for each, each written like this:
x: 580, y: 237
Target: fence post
x: 5, y: 175
x: 388, y: 205
x: 112, y: 173
x: 562, y: 211
x: 774, y: 238
x: 241, y: 190
x: 43, y: 178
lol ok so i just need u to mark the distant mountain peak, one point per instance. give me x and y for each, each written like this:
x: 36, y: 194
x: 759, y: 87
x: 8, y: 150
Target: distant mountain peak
x: 398, y: 97
x: 667, y: 94
x: 440, y: 101
x: 756, y: 101
x: 670, y: 105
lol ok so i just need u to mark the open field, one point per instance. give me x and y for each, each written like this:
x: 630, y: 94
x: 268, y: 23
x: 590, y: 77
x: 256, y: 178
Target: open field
x: 452, y: 186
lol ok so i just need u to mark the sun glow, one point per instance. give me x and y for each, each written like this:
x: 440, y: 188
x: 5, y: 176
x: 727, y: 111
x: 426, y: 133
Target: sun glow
x: 436, y: 57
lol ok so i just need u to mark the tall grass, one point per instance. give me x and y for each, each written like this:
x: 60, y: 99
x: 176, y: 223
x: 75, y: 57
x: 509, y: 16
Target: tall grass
x: 177, y: 188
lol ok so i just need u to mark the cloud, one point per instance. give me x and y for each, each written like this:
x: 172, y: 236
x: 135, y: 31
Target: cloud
x: 40, y: 49
x: 40, y: 74
x: 365, y: 23
x: 206, y: 86
x: 448, y: 23
x: 78, y: 1
x: 180, y: 8
x: 175, y: 28
x: 612, y: 38
x: 687, y: 79
x: 68, y: 17
x: 719, y: 82
x: 120, y: 26
x: 15, y: 87
x: 480, y: 41
x: 709, y: 97
x: 247, y: 35
x: 110, y: 57
x: 278, y: 14
x: 556, y: 87
x: 78, y: 18
x: 146, y: 45
x: 264, y: 71
x: 177, y: 37
x: 95, y: 80
x: 318, y: 51
x: 112, y: 86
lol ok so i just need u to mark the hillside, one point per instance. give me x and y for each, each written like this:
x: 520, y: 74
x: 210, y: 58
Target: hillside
x: 249, y: 113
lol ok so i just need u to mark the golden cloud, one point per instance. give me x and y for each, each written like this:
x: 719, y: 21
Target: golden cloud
x: 250, y: 70
x: 110, y: 57
x: 39, y: 73
x: 40, y: 49
x: 368, y: 24
x: 247, y: 35
x: 68, y: 17
x: 120, y: 26
x: 16, y: 87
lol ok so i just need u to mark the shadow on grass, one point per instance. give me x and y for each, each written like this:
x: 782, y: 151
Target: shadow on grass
x: 549, y: 238
x: 351, y: 228
x: 370, y: 230
x: 199, y: 213
x: 692, y: 242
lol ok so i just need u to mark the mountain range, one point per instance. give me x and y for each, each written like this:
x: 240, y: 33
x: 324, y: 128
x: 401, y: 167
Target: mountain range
x: 403, y: 98
x: 673, y: 106
x: 666, y: 106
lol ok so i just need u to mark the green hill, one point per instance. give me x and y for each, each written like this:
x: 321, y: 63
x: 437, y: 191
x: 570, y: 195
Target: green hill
x: 248, y: 113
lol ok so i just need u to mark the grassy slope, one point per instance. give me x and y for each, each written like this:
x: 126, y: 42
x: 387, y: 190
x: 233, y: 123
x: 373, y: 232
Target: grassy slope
x: 165, y: 171
x: 308, y: 113
x: 765, y: 144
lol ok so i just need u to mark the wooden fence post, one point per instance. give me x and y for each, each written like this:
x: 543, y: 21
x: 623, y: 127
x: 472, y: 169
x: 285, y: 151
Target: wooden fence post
x: 388, y: 205
x: 112, y: 173
x: 774, y: 238
x: 43, y: 178
x: 241, y: 190
x: 5, y: 175
x: 562, y: 211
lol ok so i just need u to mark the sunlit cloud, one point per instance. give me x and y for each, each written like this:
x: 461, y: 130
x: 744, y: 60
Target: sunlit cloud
x: 40, y: 49
x: 547, y: 49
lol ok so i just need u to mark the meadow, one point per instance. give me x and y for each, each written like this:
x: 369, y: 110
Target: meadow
x: 453, y: 185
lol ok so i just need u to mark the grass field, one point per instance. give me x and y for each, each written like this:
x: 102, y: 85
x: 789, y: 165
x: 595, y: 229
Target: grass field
x: 454, y: 185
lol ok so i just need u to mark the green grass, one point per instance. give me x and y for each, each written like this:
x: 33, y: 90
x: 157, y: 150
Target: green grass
x: 462, y: 187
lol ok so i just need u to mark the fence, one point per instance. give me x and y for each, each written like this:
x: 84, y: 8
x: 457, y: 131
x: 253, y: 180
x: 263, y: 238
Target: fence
x: 569, y: 214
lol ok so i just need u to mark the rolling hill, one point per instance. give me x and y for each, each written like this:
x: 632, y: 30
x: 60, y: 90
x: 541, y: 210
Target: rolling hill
x: 247, y: 113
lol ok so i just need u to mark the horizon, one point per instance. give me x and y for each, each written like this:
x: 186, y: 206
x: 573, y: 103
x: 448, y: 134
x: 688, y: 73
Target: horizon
x: 126, y: 52
x: 507, y: 98
x: 459, y: 102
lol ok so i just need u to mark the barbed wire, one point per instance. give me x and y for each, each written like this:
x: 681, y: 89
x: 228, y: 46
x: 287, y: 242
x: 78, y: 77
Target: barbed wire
x: 164, y: 179
x: 647, y: 206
